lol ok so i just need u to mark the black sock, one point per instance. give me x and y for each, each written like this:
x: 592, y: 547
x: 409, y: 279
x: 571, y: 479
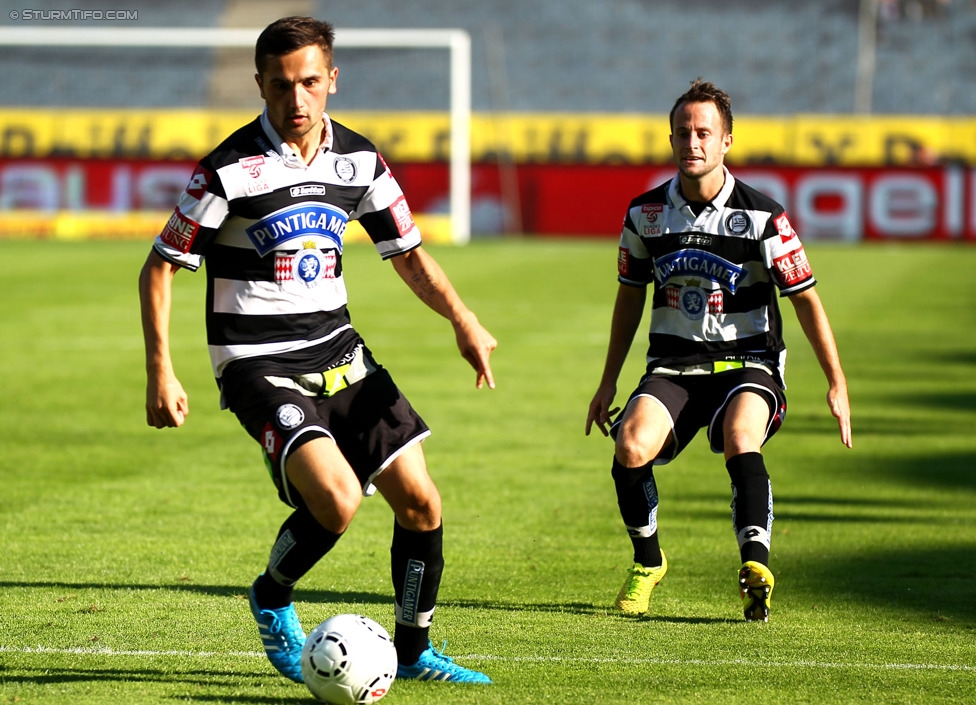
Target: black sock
x: 752, y: 506
x: 637, y: 500
x: 301, y: 543
x: 416, y: 564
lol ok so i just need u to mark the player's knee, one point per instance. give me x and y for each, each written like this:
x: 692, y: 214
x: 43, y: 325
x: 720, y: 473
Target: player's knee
x: 636, y: 447
x: 420, y: 512
x: 335, y: 510
x: 631, y: 453
x: 739, y: 441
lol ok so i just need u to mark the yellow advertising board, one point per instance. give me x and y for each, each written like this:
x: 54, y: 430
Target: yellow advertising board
x: 805, y: 140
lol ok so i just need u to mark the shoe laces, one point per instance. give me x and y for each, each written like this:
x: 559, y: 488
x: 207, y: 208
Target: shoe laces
x: 440, y: 656
x: 637, y: 585
x: 282, y: 626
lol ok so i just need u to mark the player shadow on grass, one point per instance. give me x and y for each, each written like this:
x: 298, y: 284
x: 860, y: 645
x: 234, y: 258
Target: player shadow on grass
x: 580, y: 608
x: 211, y: 679
x: 350, y: 598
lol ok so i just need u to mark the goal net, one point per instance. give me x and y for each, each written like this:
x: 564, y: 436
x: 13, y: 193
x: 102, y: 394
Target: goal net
x: 108, y: 119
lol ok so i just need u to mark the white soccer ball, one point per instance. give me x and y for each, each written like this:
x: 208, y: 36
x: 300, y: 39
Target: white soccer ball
x: 349, y: 660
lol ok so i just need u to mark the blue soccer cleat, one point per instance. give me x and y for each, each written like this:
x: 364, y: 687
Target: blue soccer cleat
x: 435, y: 666
x: 282, y: 637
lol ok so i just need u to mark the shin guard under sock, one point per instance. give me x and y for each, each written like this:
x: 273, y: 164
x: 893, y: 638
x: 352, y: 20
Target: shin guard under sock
x: 637, y: 501
x: 301, y: 543
x: 416, y: 563
x: 752, y: 506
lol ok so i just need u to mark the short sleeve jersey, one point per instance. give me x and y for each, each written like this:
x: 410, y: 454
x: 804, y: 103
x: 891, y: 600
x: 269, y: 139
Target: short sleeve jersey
x: 270, y: 228
x: 715, y: 275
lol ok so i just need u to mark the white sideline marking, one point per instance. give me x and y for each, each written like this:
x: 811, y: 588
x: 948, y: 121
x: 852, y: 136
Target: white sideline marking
x: 522, y: 659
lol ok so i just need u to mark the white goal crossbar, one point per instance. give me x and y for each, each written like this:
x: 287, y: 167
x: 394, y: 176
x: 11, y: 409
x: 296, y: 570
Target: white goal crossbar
x: 456, y: 41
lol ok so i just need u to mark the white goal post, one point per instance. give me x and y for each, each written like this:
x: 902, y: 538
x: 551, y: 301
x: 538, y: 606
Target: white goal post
x: 456, y: 41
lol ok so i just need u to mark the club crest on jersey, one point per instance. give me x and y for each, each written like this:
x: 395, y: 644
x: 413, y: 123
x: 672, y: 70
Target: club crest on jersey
x: 738, y: 223
x: 691, y: 262
x: 298, y: 221
x: 345, y: 169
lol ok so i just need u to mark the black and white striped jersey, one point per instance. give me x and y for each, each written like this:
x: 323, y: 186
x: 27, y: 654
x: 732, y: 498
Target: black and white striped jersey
x: 270, y: 229
x: 716, y: 274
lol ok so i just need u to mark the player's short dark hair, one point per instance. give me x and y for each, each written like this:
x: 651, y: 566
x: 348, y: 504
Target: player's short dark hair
x: 291, y: 34
x: 706, y: 92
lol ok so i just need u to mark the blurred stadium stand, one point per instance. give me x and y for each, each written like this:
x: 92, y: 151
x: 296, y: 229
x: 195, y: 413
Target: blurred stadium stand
x: 774, y: 57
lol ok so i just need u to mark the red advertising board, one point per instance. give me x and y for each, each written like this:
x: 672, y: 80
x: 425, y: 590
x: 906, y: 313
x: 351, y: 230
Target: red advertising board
x: 846, y: 204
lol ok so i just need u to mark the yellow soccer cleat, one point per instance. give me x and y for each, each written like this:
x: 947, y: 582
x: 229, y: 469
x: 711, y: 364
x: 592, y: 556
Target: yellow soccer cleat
x: 636, y: 593
x: 755, y: 587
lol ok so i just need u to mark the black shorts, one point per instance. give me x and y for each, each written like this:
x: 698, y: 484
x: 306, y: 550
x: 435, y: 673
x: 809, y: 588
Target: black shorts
x: 699, y: 401
x: 370, y: 421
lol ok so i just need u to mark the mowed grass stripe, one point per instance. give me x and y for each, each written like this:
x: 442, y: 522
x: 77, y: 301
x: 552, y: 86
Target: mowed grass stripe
x: 520, y: 659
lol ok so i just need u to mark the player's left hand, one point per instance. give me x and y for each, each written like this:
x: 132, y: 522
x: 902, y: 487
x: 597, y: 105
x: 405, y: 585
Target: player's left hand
x: 840, y: 407
x: 476, y: 345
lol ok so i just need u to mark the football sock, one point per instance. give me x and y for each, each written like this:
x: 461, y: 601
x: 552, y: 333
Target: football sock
x: 301, y: 543
x: 416, y: 563
x: 637, y: 500
x: 752, y: 506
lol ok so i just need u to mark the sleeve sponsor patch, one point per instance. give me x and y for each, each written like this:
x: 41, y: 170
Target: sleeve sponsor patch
x: 179, y: 232
x: 623, y: 262
x: 199, y: 182
x: 386, y: 167
x: 402, y: 215
x: 784, y: 228
x: 792, y: 268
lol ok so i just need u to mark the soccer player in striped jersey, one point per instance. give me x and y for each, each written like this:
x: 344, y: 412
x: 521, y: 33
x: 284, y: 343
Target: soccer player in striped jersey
x: 717, y: 255
x: 267, y: 210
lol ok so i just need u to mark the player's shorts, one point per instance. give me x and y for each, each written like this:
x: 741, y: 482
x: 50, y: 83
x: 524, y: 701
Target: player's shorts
x: 699, y: 401
x: 370, y: 420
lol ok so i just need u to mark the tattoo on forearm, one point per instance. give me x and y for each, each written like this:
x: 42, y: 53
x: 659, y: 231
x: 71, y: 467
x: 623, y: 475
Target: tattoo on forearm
x: 424, y: 286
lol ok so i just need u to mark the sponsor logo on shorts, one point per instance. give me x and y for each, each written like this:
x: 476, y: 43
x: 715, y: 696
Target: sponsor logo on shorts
x: 271, y: 442
x: 289, y: 416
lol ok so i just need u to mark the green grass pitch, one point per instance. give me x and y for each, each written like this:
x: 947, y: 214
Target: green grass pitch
x: 127, y: 551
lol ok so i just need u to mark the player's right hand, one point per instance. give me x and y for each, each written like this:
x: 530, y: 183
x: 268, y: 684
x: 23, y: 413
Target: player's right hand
x: 167, y: 405
x: 600, y: 412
